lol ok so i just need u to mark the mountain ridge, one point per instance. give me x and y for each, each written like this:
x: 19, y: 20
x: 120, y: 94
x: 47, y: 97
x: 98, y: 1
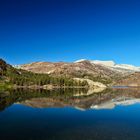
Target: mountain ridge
x: 60, y: 67
x: 83, y: 69
x: 109, y: 64
x: 42, y: 73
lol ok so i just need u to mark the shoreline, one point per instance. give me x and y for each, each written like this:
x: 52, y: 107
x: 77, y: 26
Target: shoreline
x: 50, y: 87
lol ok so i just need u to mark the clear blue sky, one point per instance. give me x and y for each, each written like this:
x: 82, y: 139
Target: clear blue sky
x: 67, y: 30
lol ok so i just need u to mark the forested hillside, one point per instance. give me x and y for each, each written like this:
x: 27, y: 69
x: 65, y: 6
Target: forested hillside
x: 10, y: 75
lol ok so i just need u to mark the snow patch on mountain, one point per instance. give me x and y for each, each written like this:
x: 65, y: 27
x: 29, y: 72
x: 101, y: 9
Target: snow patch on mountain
x: 106, y: 63
x: 81, y: 60
x: 130, y: 67
x: 113, y: 66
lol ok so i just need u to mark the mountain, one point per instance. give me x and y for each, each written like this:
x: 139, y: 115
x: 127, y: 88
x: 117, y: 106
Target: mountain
x: 81, y: 69
x: 83, y: 65
x: 13, y: 77
x: 122, y: 68
x: 100, y: 71
x: 104, y: 63
x: 132, y: 80
x: 66, y: 74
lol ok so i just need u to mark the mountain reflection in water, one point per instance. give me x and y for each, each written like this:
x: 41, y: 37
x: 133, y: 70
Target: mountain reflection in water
x: 75, y: 98
x: 59, y: 115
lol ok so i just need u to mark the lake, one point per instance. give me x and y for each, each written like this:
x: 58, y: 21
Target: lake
x: 70, y: 114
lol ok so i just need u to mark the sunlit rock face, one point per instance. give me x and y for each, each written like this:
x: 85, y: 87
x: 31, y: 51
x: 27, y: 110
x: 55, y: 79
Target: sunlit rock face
x: 82, y: 67
x: 105, y: 72
x: 123, y: 68
x: 105, y: 63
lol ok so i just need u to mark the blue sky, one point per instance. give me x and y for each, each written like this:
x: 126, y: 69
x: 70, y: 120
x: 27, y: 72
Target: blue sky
x: 67, y: 30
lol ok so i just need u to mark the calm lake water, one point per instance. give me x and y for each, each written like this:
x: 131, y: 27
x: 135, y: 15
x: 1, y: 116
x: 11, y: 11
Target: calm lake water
x: 70, y: 115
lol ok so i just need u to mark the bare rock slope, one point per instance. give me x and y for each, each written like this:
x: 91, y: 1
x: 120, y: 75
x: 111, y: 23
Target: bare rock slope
x: 105, y: 72
x: 132, y: 80
x: 83, y: 69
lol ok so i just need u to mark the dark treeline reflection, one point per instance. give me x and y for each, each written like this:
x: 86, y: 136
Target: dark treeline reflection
x: 63, y: 97
x: 9, y: 97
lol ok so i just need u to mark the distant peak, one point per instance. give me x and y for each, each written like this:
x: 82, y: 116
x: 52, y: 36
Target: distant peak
x: 109, y: 63
x: 106, y: 63
x: 81, y: 60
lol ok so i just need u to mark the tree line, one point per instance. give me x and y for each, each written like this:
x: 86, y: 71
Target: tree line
x: 24, y: 78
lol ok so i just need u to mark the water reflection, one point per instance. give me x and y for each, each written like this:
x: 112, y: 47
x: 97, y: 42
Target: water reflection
x: 76, y: 98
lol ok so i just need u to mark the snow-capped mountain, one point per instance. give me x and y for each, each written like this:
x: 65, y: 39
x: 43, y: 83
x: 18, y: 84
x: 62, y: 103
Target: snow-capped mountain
x: 124, y: 68
x: 105, y: 63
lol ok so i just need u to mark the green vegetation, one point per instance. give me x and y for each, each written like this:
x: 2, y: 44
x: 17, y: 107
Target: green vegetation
x: 95, y: 78
x: 11, y: 76
x: 28, y: 78
x: 5, y: 85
